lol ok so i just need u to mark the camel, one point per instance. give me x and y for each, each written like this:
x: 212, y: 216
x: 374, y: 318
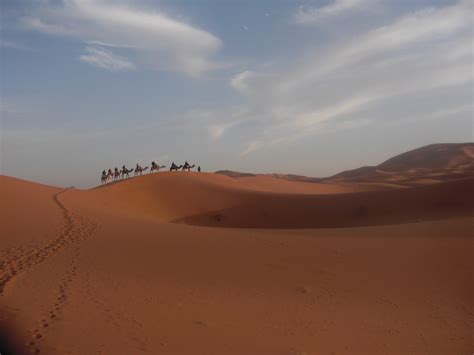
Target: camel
x: 103, y: 178
x: 139, y: 170
x: 110, y: 175
x: 175, y: 167
x: 126, y: 171
x: 156, y: 167
x: 116, y: 174
x: 106, y: 176
x: 187, y: 167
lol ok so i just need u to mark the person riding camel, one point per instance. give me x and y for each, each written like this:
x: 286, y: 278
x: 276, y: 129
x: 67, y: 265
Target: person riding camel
x: 125, y: 172
x: 104, y: 177
x: 175, y: 167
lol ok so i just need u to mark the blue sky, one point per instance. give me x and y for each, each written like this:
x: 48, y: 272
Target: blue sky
x: 309, y: 87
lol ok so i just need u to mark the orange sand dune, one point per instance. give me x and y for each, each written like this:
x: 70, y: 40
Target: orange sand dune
x: 29, y: 212
x: 446, y: 162
x: 103, y: 271
x: 216, y: 200
x: 172, y: 195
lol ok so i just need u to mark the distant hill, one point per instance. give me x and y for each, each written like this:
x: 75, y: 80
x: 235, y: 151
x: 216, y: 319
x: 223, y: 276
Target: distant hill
x: 438, y: 162
x: 432, y: 157
x: 431, y: 163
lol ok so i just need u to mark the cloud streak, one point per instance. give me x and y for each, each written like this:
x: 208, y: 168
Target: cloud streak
x: 158, y: 40
x: 105, y: 59
x: 312, y: 14
x: 419, y: 53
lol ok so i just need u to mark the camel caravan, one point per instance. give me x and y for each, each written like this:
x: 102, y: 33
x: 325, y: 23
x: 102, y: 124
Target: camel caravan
x: 109, y: 176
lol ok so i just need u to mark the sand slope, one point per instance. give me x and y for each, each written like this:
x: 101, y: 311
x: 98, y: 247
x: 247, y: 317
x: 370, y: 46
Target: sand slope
x: 29, y: 217
x: 126, y: 268
x: 215, y: 200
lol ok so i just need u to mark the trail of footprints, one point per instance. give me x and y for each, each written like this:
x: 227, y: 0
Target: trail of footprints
x: 56, y: 309
x: 22, y: 260
x: 130, y: 327
x: 75, y: 230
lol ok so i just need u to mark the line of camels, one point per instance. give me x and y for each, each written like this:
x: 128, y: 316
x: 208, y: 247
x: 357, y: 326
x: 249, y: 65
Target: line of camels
x: 118, y: 174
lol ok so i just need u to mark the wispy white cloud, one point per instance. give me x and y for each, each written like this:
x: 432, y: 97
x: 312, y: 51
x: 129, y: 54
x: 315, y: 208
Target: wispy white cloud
x: 160, y: 41
x: 251, y: 147
x: 311, y: 14
x: 105, y: 59
x: 427, y: 25
x: 422, y: 51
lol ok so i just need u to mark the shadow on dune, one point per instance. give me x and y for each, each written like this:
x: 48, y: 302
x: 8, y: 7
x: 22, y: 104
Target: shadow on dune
x: 433, y: 202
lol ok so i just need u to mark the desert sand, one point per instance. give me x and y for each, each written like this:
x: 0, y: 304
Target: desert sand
x: 189, y: 263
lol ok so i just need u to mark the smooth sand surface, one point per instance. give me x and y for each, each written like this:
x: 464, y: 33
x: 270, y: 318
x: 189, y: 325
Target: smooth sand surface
x: 145, y: 266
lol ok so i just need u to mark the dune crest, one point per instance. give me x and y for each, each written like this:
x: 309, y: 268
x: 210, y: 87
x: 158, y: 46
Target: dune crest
x: 219, y: 201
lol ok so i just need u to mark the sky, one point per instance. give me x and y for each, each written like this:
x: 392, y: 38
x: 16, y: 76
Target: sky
x: 304, y: 87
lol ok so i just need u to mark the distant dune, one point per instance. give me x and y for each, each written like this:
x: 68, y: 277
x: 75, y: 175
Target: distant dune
x: 433, y: 157
x: 376, y: 260
x: 432, y: 163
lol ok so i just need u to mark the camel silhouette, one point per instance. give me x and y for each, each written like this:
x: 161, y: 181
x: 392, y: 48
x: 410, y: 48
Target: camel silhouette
x: 156, y: 167
x: 139, y: 170
x: 106, y: 176
x: 103, y: 178
x: 116, y: 174
x: 126, y: 171
x: 187, y: 167
x: 175, y: 167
